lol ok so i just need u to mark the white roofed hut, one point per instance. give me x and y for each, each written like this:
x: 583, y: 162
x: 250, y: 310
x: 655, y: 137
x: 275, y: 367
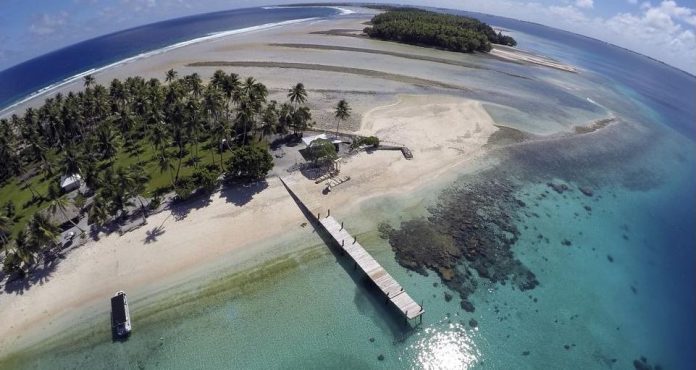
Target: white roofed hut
x: 69, y: 183
x: 307, y: 140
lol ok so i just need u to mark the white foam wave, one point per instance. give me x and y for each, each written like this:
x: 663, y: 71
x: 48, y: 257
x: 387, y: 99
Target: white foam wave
x: 212, y: 36
x: 343, y: 11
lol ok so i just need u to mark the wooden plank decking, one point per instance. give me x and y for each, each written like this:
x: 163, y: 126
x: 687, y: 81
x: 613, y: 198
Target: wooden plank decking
x: 385, y: 282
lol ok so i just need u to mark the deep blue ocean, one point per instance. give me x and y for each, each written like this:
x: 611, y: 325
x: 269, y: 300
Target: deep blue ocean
x: 641, y: 302
x: 28, y: 77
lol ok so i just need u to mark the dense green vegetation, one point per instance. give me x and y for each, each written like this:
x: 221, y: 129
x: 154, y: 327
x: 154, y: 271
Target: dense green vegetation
x: 372, y: 141
x: 250, y: 162
x: 446, y: 31
x: 321, y: 151
x: 132, y: 139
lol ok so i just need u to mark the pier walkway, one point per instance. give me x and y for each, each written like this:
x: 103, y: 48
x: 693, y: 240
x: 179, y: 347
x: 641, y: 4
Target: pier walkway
x: 393, y: 291
x: 385, y: 282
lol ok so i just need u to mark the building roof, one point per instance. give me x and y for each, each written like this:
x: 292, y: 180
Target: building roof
x: 309, y: 139
x: 66, y: 181
x: 62, y: 216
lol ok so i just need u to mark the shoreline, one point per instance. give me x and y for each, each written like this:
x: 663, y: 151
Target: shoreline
x: 131, y: 259
x: 586, y: 182
x: 502, y: 53
x: 443, y: 131
x: 5, y: 111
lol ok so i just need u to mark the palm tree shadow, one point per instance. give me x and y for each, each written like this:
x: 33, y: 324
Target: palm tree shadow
x: 108, y: 228
x: 39, y: 274
x: 181, y: 209
x: 313, y: 172
x: 153, y: 234
x: 241, y: 194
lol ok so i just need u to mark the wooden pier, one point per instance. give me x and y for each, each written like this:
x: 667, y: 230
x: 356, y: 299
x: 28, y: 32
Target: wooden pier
x: 394, y: 292
x: 389, y: 145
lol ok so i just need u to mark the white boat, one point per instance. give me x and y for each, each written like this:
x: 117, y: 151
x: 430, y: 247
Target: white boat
x: 120, y: 316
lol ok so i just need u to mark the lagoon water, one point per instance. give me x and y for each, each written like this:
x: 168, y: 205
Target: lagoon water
x: 623, y: 289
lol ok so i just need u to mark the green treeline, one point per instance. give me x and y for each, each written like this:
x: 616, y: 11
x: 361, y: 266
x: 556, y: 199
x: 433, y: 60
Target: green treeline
x: 132, y: 139
x: 446, y: 31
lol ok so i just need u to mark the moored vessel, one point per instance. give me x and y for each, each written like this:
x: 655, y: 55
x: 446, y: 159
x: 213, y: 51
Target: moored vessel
x: 120, y: 316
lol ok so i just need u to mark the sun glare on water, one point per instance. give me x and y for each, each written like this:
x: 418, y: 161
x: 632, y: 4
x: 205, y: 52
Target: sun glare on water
x: 451, y: 348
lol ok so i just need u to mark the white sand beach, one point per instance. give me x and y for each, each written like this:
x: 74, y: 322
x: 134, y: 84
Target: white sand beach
x: 442, y: 130
x: 153, y: 258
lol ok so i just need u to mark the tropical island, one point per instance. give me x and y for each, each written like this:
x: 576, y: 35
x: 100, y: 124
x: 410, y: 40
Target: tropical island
x: 107, y: 154
x: 444, y: 31
x: 168, y: 178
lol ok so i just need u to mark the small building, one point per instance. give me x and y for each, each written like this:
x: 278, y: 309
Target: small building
x: 70, y: 182
x: 308, y: 140
x: 64, y: 217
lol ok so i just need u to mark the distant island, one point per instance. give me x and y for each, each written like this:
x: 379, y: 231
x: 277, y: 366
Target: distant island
x: 445, y: 31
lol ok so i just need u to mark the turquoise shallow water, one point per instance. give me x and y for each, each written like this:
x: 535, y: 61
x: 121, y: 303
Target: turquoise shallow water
x: 309, y: 310
x: 623, y: 288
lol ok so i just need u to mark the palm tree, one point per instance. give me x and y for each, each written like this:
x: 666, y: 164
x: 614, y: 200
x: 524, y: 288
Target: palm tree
x: 71, y: 162
x: 221, y: 130
x: 157, y: 133
x: 171, y: 75
x: 232, y: 91
x: 99, y: 210
x: 270, y: 119
x: 59, y: 204
x: 38, y: 151
x: 118, y: 94
x: 138, y: 180
x: 342, y: 113
x: 20, y: 255
x: 126, y: 122
x: 5, y: 226
x: 158, y: 136
x: 90, y: 174
x: 254, y: 92
x: 300, y: 119
x: 194, y: 84
x: 245, y: 118
x: 193, y: 122
x: 285, y: 117
x: 120, y: 191
x: 253, y: 96
x: 11, y: 263
x: 165, y: 164
x: 232, y: 86
x: 297, y: 94
x: 106, y: 142
x: 101, y: 105
x: 88, y: 80
x: 219, y: 79
x: 213, y: 105
x: 42, y: 233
